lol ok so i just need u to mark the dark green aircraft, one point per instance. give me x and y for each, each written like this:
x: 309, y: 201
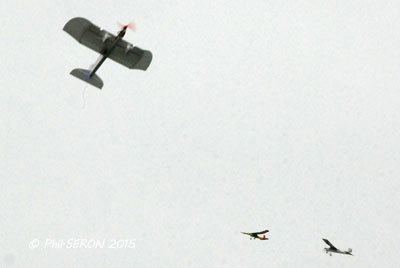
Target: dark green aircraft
x: 109, y: 46
x: 256, y: 235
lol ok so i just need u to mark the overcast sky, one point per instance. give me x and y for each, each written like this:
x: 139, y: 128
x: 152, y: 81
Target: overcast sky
x: 253, y: 115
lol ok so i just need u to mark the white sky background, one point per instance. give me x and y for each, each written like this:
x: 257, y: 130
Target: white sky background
x: 279, y: 115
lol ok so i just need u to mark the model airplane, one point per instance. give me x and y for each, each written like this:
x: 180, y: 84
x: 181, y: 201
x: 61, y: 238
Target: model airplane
x: 108, y: 45
x: 255, y: 235
x: 333, y: 249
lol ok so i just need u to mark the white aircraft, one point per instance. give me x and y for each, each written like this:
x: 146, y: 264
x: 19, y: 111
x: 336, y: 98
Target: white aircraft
x: 333, y: 249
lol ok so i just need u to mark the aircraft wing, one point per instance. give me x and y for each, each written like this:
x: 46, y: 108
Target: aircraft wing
x: 131, y: 57
x: 329, y: 244
x: 99, y: 40
x: 263, y: 232
x: 87, y: 33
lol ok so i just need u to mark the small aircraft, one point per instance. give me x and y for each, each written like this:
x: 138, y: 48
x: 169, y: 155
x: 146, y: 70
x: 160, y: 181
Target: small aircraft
x: 108, y: 45
x: 333, y: 249
x: 255, y: 235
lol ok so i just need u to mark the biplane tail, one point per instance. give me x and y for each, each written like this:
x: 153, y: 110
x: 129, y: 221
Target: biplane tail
x: 84, y: 75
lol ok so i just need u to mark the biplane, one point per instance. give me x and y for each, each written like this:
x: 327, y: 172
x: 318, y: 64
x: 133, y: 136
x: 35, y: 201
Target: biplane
x: 108, y: 46
x: 333, y: 249
x: 256, y: 235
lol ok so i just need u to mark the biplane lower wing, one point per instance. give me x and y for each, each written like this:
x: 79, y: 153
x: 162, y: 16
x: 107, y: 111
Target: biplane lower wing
x: 91, y: 36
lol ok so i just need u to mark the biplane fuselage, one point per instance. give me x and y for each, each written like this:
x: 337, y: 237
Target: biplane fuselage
x: 107, y: 51
x: 329, y: 250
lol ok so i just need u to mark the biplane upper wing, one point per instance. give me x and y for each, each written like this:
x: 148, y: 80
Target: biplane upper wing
x: 99, y: 40
x: 329, y: 244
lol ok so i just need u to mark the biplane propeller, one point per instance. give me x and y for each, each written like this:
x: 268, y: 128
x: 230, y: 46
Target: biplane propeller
x: 109, y: 46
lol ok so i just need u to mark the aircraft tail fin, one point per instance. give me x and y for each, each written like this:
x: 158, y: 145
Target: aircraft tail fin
x: 350, y: 250
x: 84, y: 75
